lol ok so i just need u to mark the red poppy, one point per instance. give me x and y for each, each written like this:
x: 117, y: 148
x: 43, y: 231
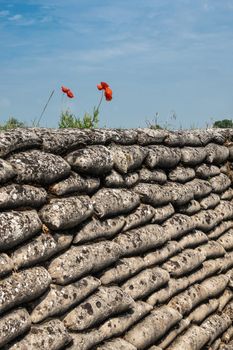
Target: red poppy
x: 108, y: 94
x: 102, y: 86
x: 64, y: 89
x: 67, y: 91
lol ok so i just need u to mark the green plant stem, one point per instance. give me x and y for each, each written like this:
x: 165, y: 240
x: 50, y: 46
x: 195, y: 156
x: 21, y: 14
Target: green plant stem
x: 38, y: 123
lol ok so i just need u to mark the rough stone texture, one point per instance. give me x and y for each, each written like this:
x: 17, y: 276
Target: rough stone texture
x: 116, y: 239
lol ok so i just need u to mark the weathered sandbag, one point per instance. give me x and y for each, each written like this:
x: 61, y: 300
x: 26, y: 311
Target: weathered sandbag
x: 38, y: 167
x: 163, y: 295
x: 220, y: 183
x: 193, y: 239
x: 123, y: 269
x: 153, y: 194
x: 23, y: 286
x: 193, y: 339
x: 228, y: 310
x: 146, y: 282
x: 93, y: 160
x: 99, y: 306
x: 63, y: 213
x: 226, y: 240
x: 95, y: 229
x: 6, y: 264
x: 141, y: 239
x: 140, y: 216
x: 162, y: 157
x: 215, y: 285
x: 215, y: 325
x: 155, y: 175
x: 220, y: 229
x: 127, y: 158
x: 209, y: 268
x: 40, y: 249
x: 162, y: 253
x: 115, y: 179
x: 17, y: 226
x: 7, y: 171
x: 181, y: 174
x: 190, y: 208
x: 180, y: 193
x: 149, y: 136
x: 154, y: 347
x: 182, y: 138
x: 114, y: 201
x: 227, y: 195
x: 192, y: 155
x: 80, y: 260
x: 186, y: 261
x: 224, y: 210
x: 51, y: 335
x: 205, y: 171
x: 200, y: 188
x: 225, y: 298
x: 152, y: 327
x: 13, y: 324
x: 162, y: 213
x: 206, y: 220
x: 75, y: 183
x: 17, y: 139
x: 169, y: 338
x: 59, y: 299
x: 131, y: 179
x: 202, y: 311
x: 226, y: 262
x: 216, y: 153
x: 212, y: 249
x: 14, y: 196
x: 210, y: 201
x: 229, y: 274
x: 227, y: 335
x: 178, y: 225
x: 116, y: 344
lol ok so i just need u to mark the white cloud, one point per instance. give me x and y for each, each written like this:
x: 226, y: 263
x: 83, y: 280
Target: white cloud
x: 16, y: 17
x: 4, y: 13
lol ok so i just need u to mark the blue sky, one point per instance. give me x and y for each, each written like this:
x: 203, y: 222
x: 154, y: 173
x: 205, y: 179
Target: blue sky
x: 159, y: 56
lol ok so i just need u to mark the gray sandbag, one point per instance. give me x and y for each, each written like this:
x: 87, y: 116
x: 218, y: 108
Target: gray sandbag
x: 216, y: 153
x: 153, y: 194
x: 164, y: 294
x: 202, y: 311
x: 181, y: 174
x: 50, y: 335
x: 7, y: 171
x: 127, y: 158
x: 17, y: 226
x: 38, y: 167
x: 23, y: 286
x: 114, y: 201
x: 6, y: 264
x: 191, y: 156
x: 116, y: 344
x: 59, y: 299
x: 131, y: 179
x: 215, y: 325
x: 95, y: 228
x: 146, y: 282
x: 115, y: 179
x: 193, y: 339
x: 80, y: 260
x: 178, y: 225
x: 153, y: 327
x: 63, y: 213
x: 212, y: 249
x: 17, y: 139
x: 105, y: 302
x: 215, y: 285
x: 13, y: 324
x: 228, y: 310
x: 186, y: 261
x: 155, y: 175
x: 173, y: 334
x: 14, y: 196
x: 220, y: 229
x: 40, y: 249
x: 93, y: 160
x: 190, y: 208
x: 162, y: 213
x: 124, y: 268
x: 162, y: 157
x: 180, y: 193
x: 227, y: 336
x: 200, y: 188
x: 208, y: 268
x: 193, y: 239
x: 162, y: 253
x: 220, y: 183
x: 75, y: 183
x: 205, y: 171
x: 226, y: 240
x: 206, y: 220
x: 210, y: 201
x: 149, y: 136
x: 227, y: 195
x: 140, y: 216
x: 225, y: 298
x: 183, y: 138
x: 224, y: 210
x: 225, y: 262
x: 141, y: 239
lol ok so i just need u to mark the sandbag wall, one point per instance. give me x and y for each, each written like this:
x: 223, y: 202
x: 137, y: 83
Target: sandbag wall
x: 116, y: 239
